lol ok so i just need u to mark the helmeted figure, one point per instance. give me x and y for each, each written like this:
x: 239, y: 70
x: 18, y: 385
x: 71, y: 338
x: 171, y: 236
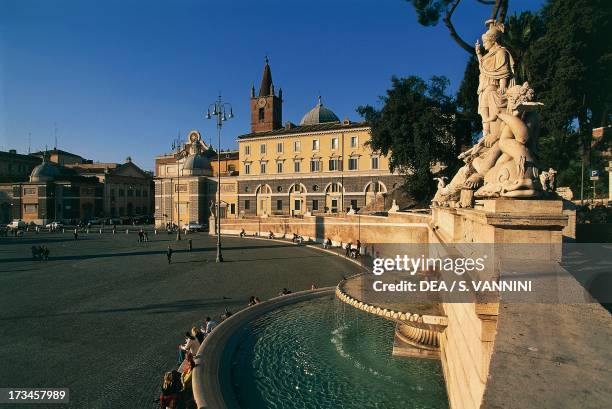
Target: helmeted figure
x: 502, y: 163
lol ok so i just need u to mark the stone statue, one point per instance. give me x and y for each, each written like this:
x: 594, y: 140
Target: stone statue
x: 502, y: 163
x: 547, y: 180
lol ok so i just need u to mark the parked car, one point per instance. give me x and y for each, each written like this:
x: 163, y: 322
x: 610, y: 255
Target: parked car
x: 54, y: 225
x: 17, y: 224
x: 193, y: 226
x: 95, y: 221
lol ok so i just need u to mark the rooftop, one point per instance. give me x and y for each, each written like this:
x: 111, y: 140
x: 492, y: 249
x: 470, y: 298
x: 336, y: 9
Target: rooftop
x: 291, y: 129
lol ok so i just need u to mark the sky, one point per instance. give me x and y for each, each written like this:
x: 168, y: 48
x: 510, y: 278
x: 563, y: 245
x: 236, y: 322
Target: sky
x: 118, y: 78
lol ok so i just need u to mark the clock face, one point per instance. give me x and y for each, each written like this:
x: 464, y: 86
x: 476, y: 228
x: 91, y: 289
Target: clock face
x: 261, y: 102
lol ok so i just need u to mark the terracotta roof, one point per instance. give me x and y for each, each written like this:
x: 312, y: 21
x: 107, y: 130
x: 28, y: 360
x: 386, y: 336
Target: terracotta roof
x: 327, y: 126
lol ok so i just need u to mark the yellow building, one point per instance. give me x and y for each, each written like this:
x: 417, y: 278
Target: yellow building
x: 321, y: 165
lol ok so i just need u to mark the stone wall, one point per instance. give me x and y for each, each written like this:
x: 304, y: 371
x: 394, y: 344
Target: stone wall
x: 396, y: 228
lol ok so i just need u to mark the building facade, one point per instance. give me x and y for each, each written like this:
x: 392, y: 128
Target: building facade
x: 53, y: 192
x: 184, y: 186
x: 322, y: 165
x: 127, y: 189
x: 59, y: 185
x: 15, y: 167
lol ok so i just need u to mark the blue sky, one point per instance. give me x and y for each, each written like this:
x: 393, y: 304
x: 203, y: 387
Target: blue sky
x: 123, y: 77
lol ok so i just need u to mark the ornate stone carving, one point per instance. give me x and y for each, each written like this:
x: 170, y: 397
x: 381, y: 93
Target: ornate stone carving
x: 502, y: 163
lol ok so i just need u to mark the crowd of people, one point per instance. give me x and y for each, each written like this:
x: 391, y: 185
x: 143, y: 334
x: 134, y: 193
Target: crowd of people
x: 176, y: 390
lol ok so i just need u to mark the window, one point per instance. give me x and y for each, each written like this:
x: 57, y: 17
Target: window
x: 247, y: 204
x: 262, y: 167
x: 180, y: 188
x: 334, y: 143
x: 354, y: 141
x: 353, y: 163
x: 374, y: 162
x: 354, y: 204
x: 335, y: 164
x: 232, y: 208
x: 130, y: 192
x: 279, y: 167
x: 315, y: 165
x: 121, y: 192
x: 29, y: 190
x: 262, y: 148
x: 261, y: 114
x: 315, y: 144
x: 30, y: 208
x: 279, y: 204
x: 279, y: 147
x: 247, y: 149
x: 145, y: 193
x: 297, y: 146
x: 138, y: 193
x: 296, y: 166
x: 335, y: 187
x: 315, y: 205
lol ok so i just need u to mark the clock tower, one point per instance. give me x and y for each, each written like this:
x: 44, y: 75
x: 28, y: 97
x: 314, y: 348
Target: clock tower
x: 266, y: 108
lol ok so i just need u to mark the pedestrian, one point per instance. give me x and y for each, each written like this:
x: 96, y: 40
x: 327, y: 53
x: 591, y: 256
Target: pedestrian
x: 190, y: 245
x: 146, y: 236
x: 358, y: 252
x: 209, y: 325
x: 169, y: 254
x: 45, y: 252
x: 76, y: 234
x: 347, y: 249
x: 191, y: 345
x: 198, y: 334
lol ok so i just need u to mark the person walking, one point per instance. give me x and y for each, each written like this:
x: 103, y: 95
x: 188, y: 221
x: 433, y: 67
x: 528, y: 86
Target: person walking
x: 190, y: 245
x: 169, y: 254
x: 76, y: 234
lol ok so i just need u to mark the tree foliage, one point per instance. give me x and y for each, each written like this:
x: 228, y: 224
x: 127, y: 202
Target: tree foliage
x: 570, y: 68
x: 429, y: 13
x: 419, y: 124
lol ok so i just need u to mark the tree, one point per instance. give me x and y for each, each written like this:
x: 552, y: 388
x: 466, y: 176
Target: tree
x: 570, y: 68
x: 419, y: 126
x: 429, y: 13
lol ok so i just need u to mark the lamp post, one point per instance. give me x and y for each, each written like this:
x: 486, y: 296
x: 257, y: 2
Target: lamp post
x: 219, y: 110
x: 176, y: 145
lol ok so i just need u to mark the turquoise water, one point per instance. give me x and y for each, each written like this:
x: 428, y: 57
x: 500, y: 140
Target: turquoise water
x: 323, y: 354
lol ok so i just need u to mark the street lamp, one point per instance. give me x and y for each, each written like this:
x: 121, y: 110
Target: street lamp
x: 220, y: 110
x: 176, y: 145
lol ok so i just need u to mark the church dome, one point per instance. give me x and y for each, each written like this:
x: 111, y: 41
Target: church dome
x: 45, y: 172
x: 318, y: 115
x: 197, y: 164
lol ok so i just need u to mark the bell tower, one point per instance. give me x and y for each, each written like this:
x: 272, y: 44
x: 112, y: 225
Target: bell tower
x: 266, y: 108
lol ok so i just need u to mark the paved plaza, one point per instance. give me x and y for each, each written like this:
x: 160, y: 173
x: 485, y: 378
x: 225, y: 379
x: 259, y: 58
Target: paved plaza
x: 104, y: 315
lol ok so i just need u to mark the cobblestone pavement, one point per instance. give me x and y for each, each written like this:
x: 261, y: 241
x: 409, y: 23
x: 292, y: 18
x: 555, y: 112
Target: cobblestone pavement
x: 105, y: 314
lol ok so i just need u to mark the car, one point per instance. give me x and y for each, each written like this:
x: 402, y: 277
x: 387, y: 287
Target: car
x: 17, y: 224
x: 54, y: 225
x: 94, y: 221
x: 193, y: 226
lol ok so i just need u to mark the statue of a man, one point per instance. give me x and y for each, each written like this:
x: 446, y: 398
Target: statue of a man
x: 496, y: 75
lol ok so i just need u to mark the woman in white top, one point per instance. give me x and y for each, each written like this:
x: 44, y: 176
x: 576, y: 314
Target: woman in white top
x: 191, y: 345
